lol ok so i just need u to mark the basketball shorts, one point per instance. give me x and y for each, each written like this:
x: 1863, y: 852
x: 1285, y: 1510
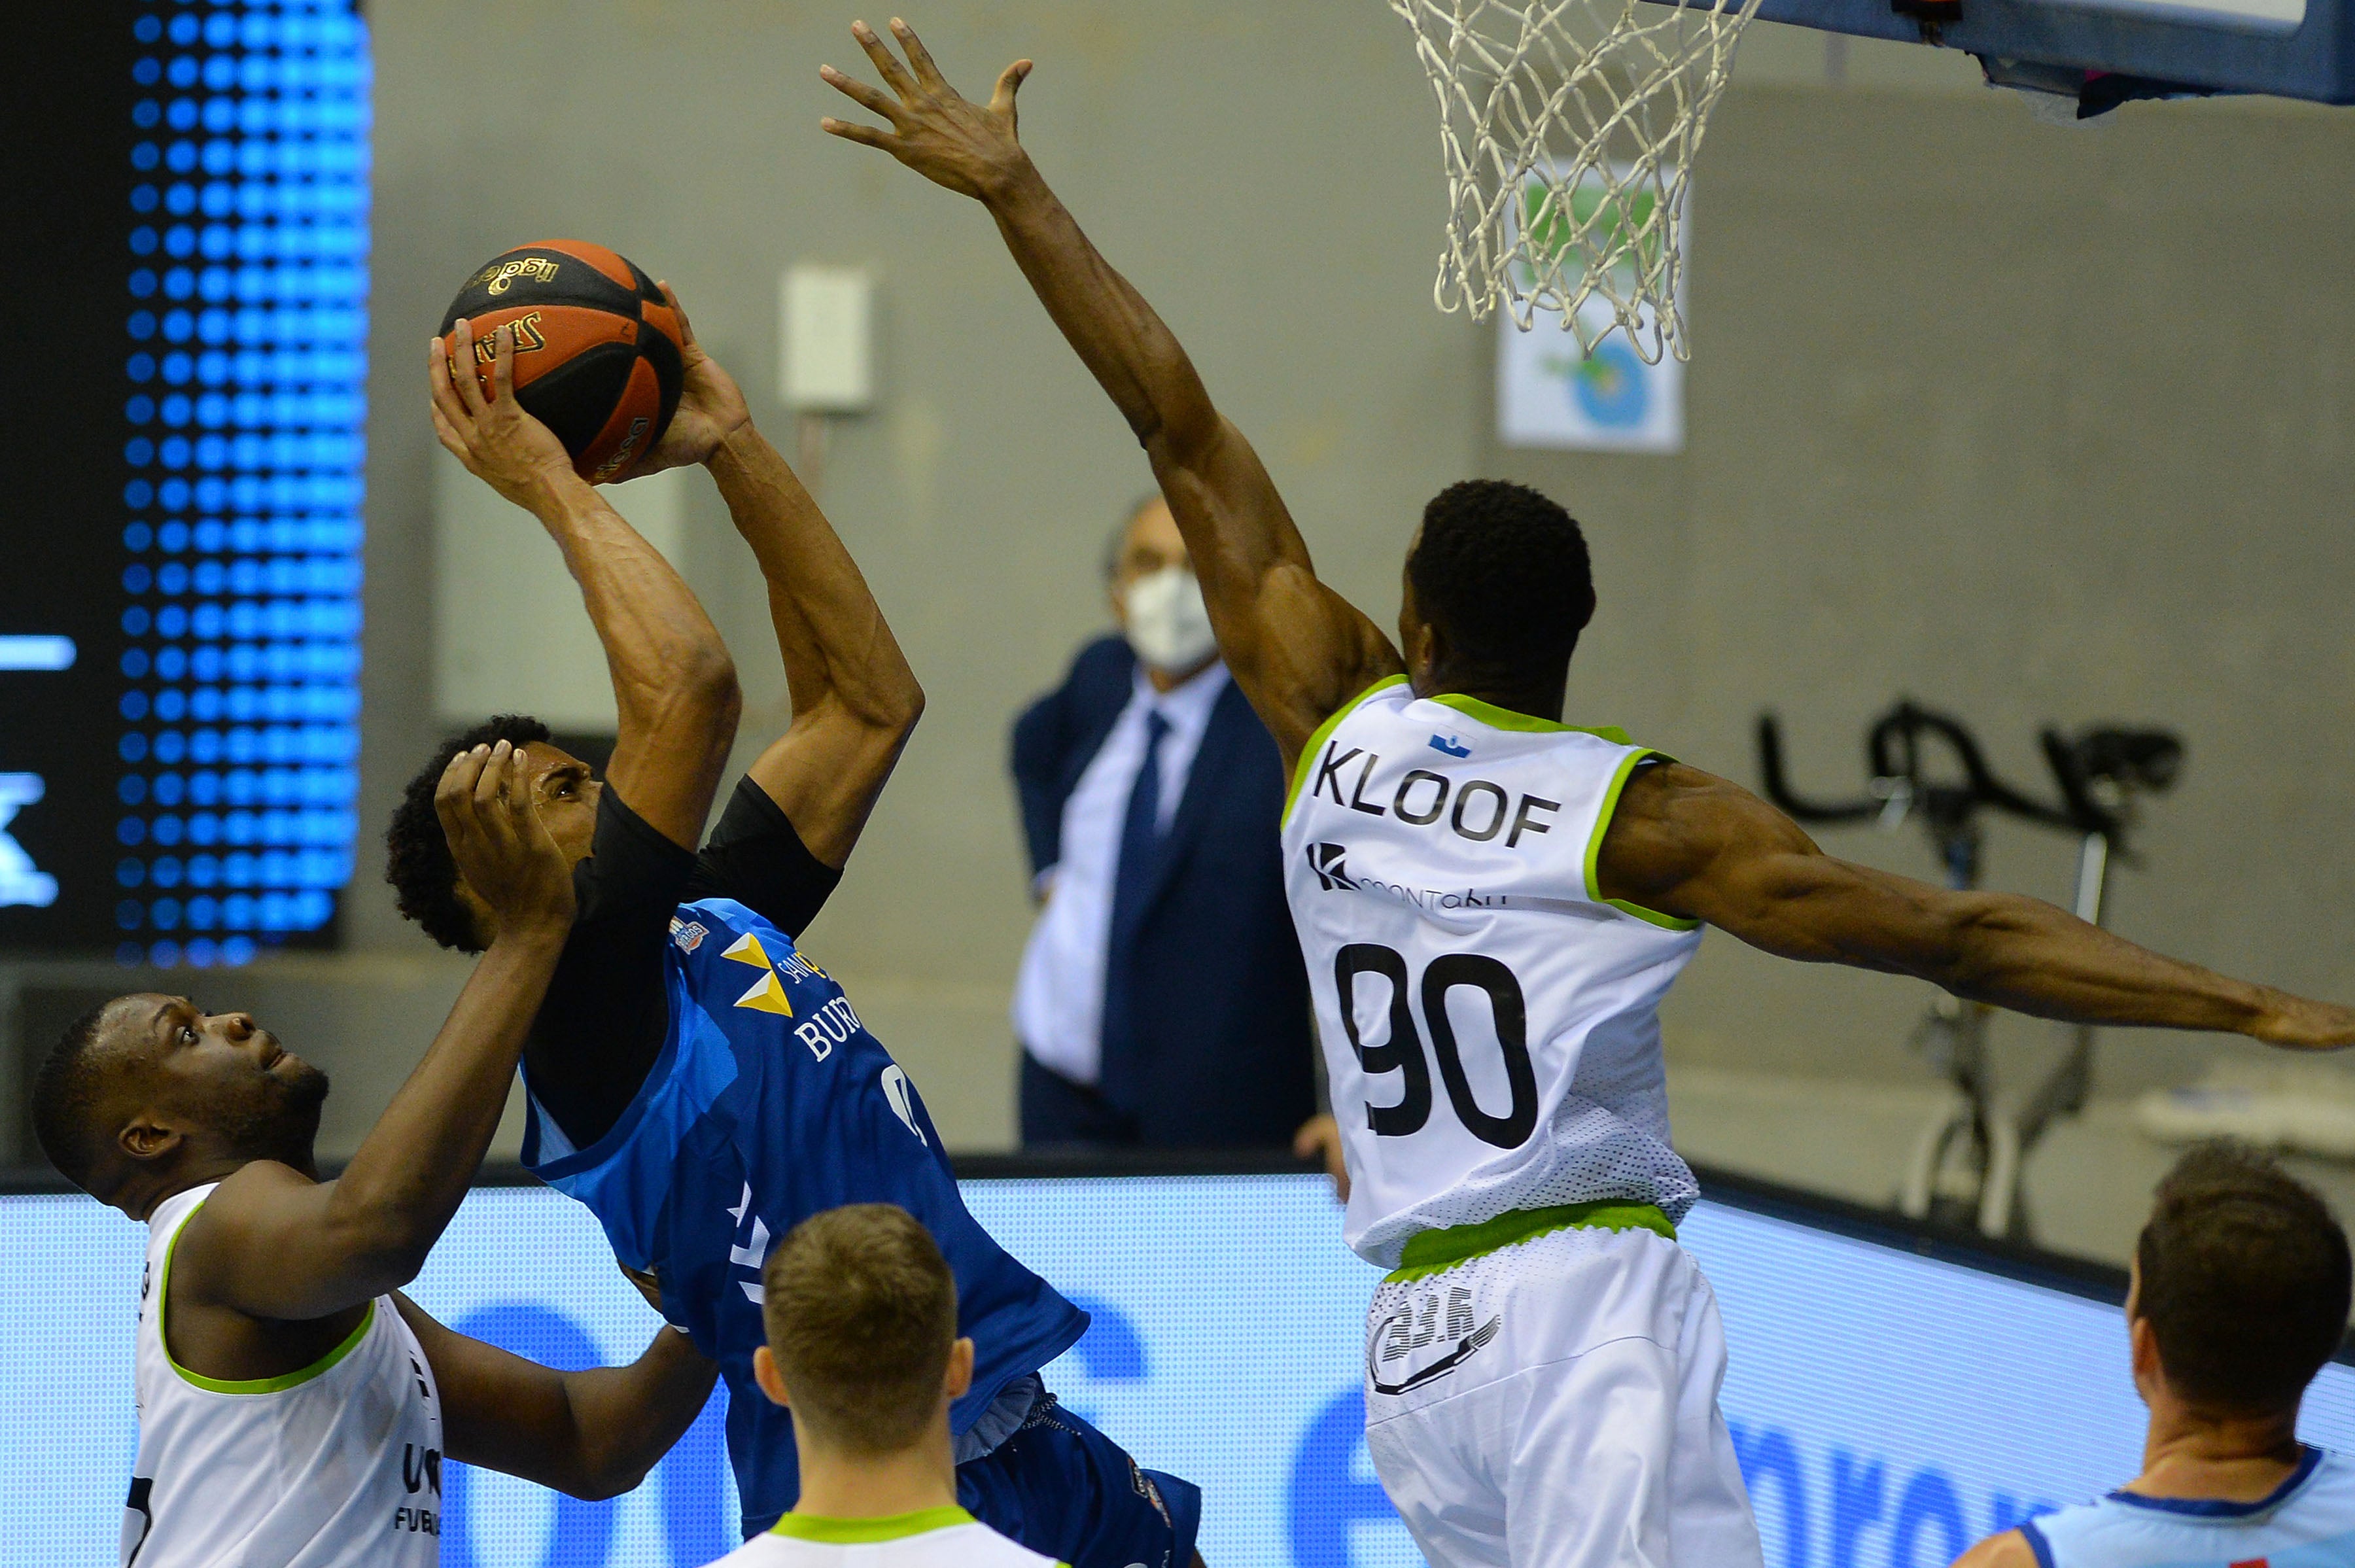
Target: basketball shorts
x: 1060, y: 1487
x: 1552, y: 1404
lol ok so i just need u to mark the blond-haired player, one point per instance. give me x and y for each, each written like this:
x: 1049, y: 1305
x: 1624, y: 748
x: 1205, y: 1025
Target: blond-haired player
x: 863, y: 1351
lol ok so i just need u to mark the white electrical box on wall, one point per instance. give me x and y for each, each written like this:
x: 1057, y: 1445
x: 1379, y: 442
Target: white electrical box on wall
x: 826, y: 360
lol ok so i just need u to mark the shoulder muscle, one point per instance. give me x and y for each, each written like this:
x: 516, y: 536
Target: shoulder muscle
x: 2009, y: 1549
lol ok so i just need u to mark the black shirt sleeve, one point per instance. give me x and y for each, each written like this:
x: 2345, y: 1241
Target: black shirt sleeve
x: 606, y: 1014
x: 755, y: 857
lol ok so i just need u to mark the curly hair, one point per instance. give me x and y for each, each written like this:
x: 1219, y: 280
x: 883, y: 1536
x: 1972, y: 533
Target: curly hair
x: 1501, y: 570
x: 417, y: 855
x: 66, y: 1096
x: 2245, y: 1280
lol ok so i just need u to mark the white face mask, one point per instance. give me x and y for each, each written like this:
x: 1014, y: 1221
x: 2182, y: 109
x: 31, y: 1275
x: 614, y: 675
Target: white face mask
x: 1167, y: 625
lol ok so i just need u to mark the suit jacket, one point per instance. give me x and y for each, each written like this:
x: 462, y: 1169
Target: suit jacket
x: 1220, y: 995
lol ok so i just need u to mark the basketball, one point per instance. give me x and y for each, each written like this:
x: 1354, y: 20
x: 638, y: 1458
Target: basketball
x: 597, y: 348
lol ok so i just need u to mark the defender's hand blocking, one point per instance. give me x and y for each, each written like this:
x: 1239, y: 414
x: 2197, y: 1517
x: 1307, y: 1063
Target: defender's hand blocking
x: 968, y: 147
x: 711, y: 407
x: 2297, y: 1023
x: 502, y: 846
x: 500, y: 444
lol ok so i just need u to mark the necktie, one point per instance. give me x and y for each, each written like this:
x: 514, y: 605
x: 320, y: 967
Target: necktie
x: 1120, y: 1072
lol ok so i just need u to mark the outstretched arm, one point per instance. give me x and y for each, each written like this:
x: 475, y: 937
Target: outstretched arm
x: 854, y: 700
x: 274, y: 1243
x: 674, y: 687
x: 592, y: 1433
x: 1690, y: 845
x: 1297, y: 649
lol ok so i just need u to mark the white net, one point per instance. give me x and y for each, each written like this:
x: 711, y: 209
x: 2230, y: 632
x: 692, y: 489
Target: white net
x: 1569, y: 129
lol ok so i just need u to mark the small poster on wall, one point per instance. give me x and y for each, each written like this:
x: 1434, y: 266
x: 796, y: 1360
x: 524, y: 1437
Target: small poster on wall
x: 1548, y: 394
x: 1551, y: 392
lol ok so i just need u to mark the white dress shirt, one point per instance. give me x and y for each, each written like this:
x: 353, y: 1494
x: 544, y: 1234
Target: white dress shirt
x: 1059, y: 993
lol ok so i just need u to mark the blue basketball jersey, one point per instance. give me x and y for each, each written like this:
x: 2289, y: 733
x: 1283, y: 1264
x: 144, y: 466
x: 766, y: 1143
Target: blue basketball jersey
x: 2308, y: 1522
x: 771, y: 1103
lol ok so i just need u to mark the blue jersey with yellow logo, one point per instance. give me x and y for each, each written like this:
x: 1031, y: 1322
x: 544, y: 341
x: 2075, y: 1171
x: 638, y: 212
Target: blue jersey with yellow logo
x: 771, y: 1103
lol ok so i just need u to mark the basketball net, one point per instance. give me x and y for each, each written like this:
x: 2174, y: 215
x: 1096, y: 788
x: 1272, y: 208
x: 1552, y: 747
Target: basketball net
x: 1569, y: 128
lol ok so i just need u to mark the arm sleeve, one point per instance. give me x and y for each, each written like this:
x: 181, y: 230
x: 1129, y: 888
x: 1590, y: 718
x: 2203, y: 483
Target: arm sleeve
x: 606, y: 1016
x: 756, y: 858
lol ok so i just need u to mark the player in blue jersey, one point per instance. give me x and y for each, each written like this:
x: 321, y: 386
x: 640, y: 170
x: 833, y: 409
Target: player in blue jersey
x: 2238, y: 1297
x: 693, y: 1078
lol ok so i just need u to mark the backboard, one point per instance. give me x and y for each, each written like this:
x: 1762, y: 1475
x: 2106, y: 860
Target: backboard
x: 2104, y: 52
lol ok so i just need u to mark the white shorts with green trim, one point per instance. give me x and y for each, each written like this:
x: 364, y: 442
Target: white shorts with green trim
x: 1553, y: 1404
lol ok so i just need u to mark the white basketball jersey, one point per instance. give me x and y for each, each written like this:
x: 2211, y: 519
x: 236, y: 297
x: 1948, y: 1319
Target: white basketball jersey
x: 1490, y: 1022
x: 337, y: 1466
x: 934, y: 1538
x: 2309, y: 1522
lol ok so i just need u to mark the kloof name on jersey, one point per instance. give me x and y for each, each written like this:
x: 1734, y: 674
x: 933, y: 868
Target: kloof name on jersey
x: 1490, y: 1021
x: 337, y: 1466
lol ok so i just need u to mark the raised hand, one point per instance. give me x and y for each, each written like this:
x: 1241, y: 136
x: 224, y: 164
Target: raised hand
x: 2297, y: 1023
x: 502, y: 847
x: 971, y: 148
x: 710, y: 406
x: 500, y: 444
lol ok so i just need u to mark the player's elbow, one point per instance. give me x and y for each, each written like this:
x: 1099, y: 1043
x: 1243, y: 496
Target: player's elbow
x: 705, y: 680
x: 602, y: 1472
x: 597, y: 1485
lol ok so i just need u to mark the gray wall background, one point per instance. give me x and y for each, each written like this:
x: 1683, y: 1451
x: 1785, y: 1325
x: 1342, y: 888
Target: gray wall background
x: 2033, y: 424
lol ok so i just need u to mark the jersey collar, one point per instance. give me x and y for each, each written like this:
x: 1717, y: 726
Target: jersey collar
x: 2217, y: 1508
x: 862, y: 1532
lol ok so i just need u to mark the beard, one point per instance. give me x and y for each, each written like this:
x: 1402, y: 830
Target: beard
x: 279, y: 1117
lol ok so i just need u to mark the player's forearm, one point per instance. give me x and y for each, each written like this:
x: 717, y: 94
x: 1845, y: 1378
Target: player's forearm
x: 625, y: 1419
x: 832, y: 635
x: 1124, y: 343
x: 669, y: 668
x: 2032, y: 957
x: 406, y: 1180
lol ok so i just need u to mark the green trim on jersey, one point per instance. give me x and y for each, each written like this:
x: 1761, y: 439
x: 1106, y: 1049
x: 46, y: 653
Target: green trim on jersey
x: 1435, y: 1252
x: 279, y: 1384
x: 1321, y: 734
x: 1497, y: 718
x: 866, y: 1531
x: 1594, y: 850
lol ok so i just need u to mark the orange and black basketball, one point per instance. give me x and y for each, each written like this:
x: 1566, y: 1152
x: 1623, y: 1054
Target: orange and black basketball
x: 597, y: 347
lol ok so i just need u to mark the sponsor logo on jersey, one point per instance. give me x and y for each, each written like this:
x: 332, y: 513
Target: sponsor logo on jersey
x: 896, y: 1089
x: 1476, y: 810
x: 1452, y: 745
x: 688, y: 934
x: 417, y: 1520
x: 754, y: 1250
x: 420, y: 1467
x: 1330, y: 862
x: 1417, y: 1325
x: 765, y: 995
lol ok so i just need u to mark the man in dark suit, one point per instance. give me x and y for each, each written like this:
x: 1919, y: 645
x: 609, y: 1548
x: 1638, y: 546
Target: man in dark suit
x: 1161, y: 1001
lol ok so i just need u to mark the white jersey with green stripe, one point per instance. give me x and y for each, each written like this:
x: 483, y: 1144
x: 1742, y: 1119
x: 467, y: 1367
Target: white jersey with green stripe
x: 337, y: 1466
x: 931, y: 1538
x: 1491, y: 1020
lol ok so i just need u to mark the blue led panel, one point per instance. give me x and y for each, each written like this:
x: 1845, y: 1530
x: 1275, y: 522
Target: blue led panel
x: 1887, y: 1408
x: 191, y: 665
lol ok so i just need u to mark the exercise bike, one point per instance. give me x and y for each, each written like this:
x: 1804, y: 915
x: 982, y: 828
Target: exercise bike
x: 1965, y: 1165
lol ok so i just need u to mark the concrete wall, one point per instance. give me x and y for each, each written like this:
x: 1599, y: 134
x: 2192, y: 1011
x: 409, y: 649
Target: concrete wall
x: 2031, y: 424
